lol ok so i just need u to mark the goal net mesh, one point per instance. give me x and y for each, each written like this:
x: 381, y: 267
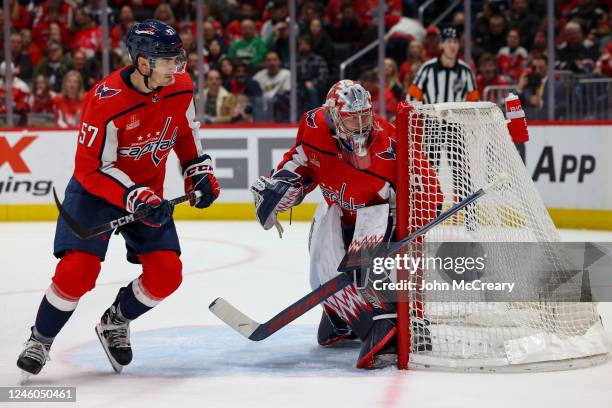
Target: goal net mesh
x: 551, y: 327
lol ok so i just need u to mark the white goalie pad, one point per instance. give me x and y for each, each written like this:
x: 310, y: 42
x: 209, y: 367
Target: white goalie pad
x: 326, y: 245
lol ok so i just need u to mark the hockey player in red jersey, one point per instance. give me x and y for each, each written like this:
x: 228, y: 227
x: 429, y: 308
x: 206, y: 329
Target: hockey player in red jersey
x: 131, y: 121
x: 349, y: 152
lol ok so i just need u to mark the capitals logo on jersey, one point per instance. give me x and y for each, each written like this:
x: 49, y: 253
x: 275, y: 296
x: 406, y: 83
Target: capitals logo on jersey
x: 158, y: 148
x: 103, y: 92
x: 310, y: 118
x: 338, y: 197
x: 388, y: 154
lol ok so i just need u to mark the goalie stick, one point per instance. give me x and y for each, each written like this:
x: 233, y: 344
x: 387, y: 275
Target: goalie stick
x: 255, y: 331
x: 86, y: 233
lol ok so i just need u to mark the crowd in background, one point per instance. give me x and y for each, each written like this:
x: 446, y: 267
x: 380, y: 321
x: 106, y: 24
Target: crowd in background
x: 56, y: 50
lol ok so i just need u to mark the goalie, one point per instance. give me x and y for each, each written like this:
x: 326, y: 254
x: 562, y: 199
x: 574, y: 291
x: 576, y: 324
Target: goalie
x: 349, y: 152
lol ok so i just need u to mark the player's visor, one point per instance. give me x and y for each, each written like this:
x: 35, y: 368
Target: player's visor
x: 169, y: 65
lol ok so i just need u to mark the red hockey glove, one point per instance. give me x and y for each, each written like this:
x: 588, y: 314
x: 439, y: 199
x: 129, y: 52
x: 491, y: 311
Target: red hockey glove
x: 198, y: 175
x: 138, y: 198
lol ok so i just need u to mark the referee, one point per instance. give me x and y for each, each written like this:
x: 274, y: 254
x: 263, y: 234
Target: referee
x: 447, y: 79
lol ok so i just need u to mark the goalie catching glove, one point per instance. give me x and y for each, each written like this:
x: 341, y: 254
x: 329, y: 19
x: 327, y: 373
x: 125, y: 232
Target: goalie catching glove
x: 198, y: 175
x: 277, y: 193
x: 139, y: 198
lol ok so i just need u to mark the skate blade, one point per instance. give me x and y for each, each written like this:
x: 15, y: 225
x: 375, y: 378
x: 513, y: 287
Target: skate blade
x: 116, y: 366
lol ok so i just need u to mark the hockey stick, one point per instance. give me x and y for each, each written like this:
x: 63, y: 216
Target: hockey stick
x: 255, y: 331
x: 86, y: 233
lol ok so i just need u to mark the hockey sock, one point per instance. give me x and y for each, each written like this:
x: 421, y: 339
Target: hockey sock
x: 53, y: 313
x: 134, y: 301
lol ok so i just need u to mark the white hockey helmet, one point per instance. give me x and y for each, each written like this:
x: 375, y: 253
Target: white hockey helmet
x: 350, y: 108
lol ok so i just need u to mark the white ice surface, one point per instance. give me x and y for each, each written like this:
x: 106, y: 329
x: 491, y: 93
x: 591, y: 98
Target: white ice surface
x: 185, y: 357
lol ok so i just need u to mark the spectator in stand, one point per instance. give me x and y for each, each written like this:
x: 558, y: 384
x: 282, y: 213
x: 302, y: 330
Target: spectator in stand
x: 182, y: 10
x: 275, y: 83
x: 250, y: 48
x: 29, y: 47
x: 126, y: 21
x: 587, y: 14
x: 41, y: 99
x: 321, y: 41
x: 192, y: 68
x: 604, y: 63
x: 79, y: 60
x: 244, y: 110
x: 481, y: 25
x: 511, y: 59
x: 280, y: 41
x: 233, y: 31
x: 277, y: 12
x: 67, y: 106
x: 93, y: 9
x: 117, y: 60
x: 431, y: 43
x: 164, y: 13
x: 61, y: 10
x: 391, y: 79
x: 459, y: 22
x: 20, y: 17
x: 369, y: 81
x: 540, y: 45
x: 49, y: 13
x: 214, y: 57
x: 410, y: 77
x: 576, y: 54
x: 312, y: 74
x: 533, y: 90
x: 144, y: 9
x: 22, y: 61
x: 2, y: 25
x: 308, y: 12
x: 605, y: 32
x: 55, y: 34
x: 219, y: 104
x: 241, y: 84
x: 211, y: 34
x: 89, y: 68
x: 524, y: 20
x: 416, y: 53
x: 18, y: 83
x: 55, y: 65
x: 189, y: 44
x: 349, y: 28
x: 86, y: 35
x: 489, y: 76
x: 20, y: 92
x: 496, y: 37
x: 227, y: 71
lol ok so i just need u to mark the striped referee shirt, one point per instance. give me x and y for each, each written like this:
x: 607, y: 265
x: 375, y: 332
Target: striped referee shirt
x: 435, y: 83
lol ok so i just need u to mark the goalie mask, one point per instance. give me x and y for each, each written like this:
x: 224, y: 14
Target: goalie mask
x: 350, y: 108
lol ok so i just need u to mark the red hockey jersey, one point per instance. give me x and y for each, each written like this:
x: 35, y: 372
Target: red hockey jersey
x: 125, y: 136
x: 316, y: 157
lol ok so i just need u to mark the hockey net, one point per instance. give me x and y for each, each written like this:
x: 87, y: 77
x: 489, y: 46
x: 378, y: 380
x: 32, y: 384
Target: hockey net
x: 468, y: 146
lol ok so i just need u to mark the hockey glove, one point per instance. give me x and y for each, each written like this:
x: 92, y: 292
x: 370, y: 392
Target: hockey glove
x: 278, y: 193
x: 198, y: 175
x: 138, y: 198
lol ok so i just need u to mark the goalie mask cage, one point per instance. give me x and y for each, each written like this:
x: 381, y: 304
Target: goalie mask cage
x: 468, y: 145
